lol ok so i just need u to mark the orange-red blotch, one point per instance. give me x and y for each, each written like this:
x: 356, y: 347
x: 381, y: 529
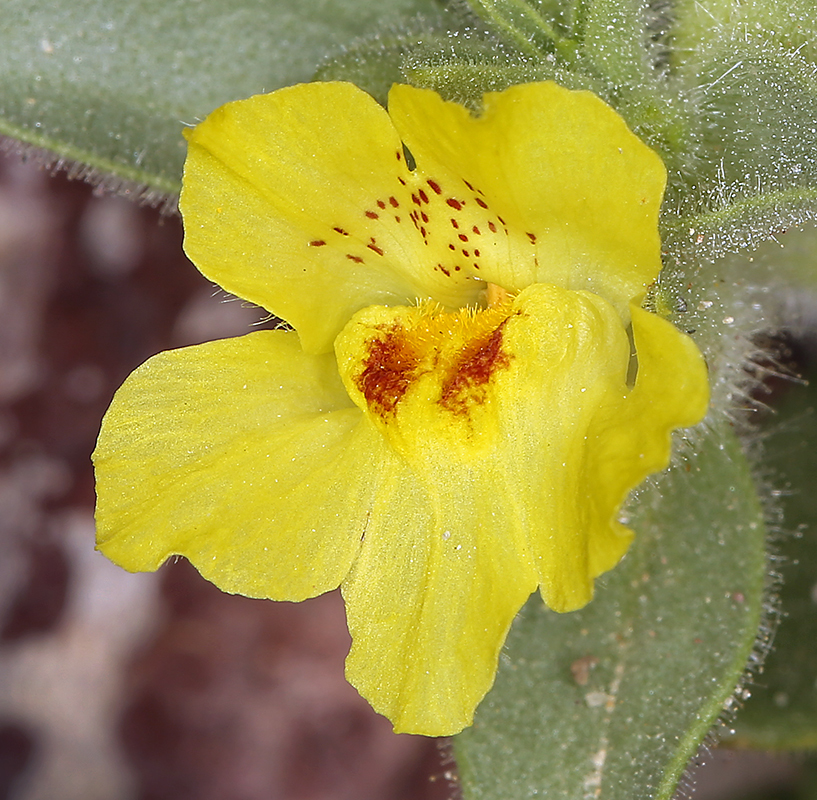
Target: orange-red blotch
x: 388, y: 371
x: 467, y: 379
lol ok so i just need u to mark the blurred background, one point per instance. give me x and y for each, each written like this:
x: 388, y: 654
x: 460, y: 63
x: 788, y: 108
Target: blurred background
x: 159, y: 687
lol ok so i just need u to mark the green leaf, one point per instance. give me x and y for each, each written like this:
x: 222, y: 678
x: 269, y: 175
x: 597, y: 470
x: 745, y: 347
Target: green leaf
x: 377, y: 63
x: 533, y: 27
x: 611, y: 701
x: 751, y: 110
x: 792, y: 23
x: 112, y: 84
x: 782, y: 713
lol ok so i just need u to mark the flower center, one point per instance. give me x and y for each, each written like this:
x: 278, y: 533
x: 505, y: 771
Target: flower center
x: 407, y: 361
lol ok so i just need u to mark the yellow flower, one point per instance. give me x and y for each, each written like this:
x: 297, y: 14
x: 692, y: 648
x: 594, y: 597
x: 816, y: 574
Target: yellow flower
x: 457, y: 416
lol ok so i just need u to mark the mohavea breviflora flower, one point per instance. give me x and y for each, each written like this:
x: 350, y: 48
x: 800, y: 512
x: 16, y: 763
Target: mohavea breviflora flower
x: 470, y: 391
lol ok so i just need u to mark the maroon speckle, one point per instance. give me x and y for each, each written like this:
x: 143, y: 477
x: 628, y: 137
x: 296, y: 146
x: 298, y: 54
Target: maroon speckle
x: 401, y: 181
x: 468, y: 184
x: 396, y: 218
x: 372, y: 214
x: 451, y: 247
x: 415, y: 199
x: 423, y: 196
x: 317, y: 243
x: 375, y: 248
x: 502, y: 221
x: 463, y: 237
x: 492, y: 227
x: 435, y: 186
x: 340, y: 231
x: 394, y: 203
x: 447, y: 273
x: 475, y: 229
x: 481, y: 203
x: 531, y: 236
x: 424, y: 216
x: 466, y: 253
x: 476, y: 266
x: 476, y: 253
x: 454, y: 223
x: 454, y: 203
x: 381, y: 205
x: 399, y: 157
x: 457, y: 268
x: 356, y: 259
x: 423, y: 232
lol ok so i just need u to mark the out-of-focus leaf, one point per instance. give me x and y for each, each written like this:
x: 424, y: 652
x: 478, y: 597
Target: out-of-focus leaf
x: 611, y: 701
x: 782, y: 713
x: 111, y: 84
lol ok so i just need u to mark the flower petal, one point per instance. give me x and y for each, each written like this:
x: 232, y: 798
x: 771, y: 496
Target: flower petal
x: 301, y: 201
x: 234, y: 454
x: 440, y: 576
x: 547, y: 185
x: 633, y: 439
x: 514, y: 438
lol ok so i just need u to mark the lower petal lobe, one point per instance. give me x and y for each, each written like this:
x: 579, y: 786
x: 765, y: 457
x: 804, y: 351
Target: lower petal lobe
x: 244, y: 455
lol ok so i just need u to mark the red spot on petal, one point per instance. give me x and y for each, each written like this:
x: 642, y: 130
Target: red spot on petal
x: 502, y: 221
x: 399, y: 156
x: 424, y: 216
x: 476, y: 266
x: 372, y: 215
x: 457, y: 268
x: 454, y: 203
x: 356, y: 259
x: 375, y: 248
x: 435, y: 186
x: 451, y: 247
x: 444, y: 270
x: 396, y: 218
x: 340, y: 231
x: 401, y: 181
x: 381, y: 205
x: 481, y: 203
x: 317, y: 243
x: 476, y: 253
x: 492, y: 227
x: 532, y: 237
x: 463, y: 237
x: 423, y: 196
x: 423, y: 232
x: 455, y: 223
x: 475, y: 229
x: 468, y: 184
x: 466, y: 253
x: 393, y: 201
